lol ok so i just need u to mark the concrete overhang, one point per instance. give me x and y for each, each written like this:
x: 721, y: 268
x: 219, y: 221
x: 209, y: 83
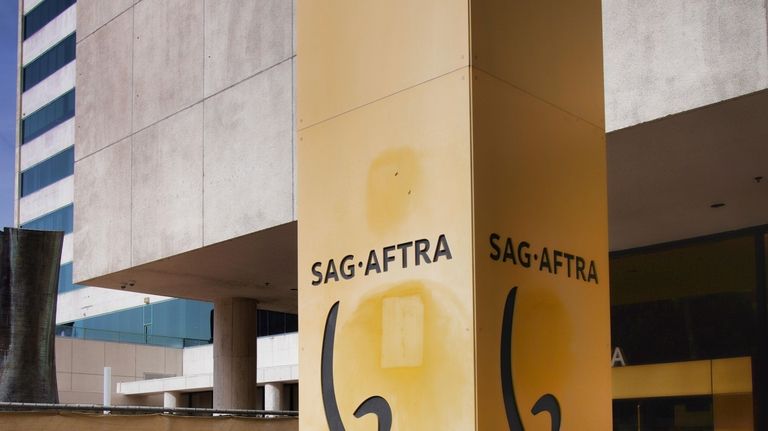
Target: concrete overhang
x: 259, y: 265
x: 664, y: 177
x: 667, y: 177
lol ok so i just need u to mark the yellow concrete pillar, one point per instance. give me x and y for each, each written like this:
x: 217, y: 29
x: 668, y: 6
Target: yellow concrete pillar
x: 453, y: 269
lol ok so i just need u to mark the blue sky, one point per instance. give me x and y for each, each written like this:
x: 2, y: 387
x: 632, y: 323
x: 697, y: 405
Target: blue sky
x: 8, y: 41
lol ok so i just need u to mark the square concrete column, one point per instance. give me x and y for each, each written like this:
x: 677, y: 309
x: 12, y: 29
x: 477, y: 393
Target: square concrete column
x: 171, y: 399
x: 234, y: 353
x: 453, y: 235
x: 273, y: 395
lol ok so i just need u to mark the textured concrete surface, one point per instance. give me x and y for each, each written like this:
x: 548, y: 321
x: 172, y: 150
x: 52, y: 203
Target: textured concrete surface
x: 94, y: 301
x: 103, y: 102
x: 67, y: 248
x: 243, y: 37
x: 664, y: 175
x: 140, y: 70
x: 664, y: 57
x: 167, y: 209
x: 92, y: 14
x: 234, y: 354
x: 273, y: 396
x: 249, y: 156
x: 46, y: 145
x: 80, y: 368
x: 167, y: 57
x: 103, y: 211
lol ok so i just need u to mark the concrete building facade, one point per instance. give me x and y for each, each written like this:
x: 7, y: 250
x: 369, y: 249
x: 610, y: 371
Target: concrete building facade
x: 185, y: 171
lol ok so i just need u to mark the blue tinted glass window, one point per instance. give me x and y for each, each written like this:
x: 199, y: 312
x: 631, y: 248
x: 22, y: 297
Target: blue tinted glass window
x: 61, y: 219
x: 48, y: 63
x: 166, y: 323
x: 65, y: 279
x: 275, y: 322
x: 44, y: 13
x: 48, y: 172
x: 48, y: 117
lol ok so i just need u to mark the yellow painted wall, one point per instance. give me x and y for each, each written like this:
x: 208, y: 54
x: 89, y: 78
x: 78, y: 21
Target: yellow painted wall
x: 379, y: 176
x: 733, y: 412
x: 540, y: 183
x: 404, y: 137
x: 718, y: 376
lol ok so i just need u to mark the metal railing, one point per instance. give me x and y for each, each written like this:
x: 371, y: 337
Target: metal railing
x: 127, y: 337
x: 186, y: 411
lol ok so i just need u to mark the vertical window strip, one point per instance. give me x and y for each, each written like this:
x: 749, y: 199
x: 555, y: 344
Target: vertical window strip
x: 48, y: 172
x: 48, y: 117
x: 49, y: 62
x: 42, y: 14
x: 59, y: 220
x: 65, y: 279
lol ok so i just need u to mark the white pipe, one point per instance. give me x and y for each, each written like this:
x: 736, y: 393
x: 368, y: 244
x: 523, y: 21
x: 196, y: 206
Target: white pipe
x: 107, y: 389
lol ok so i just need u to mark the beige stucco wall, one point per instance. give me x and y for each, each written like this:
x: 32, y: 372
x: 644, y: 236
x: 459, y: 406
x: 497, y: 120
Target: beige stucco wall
x: 116, y: 422
x: 80, y: 369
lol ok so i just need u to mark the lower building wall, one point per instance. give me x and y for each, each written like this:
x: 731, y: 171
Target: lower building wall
x: 80, y: 369
x: 116, y: 422
x: 733, y: 412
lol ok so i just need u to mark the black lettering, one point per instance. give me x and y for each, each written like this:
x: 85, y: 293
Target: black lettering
x: 442, y: 249
x: 592, y: 272
x: 388, y: 257
x: 317, y: 273
x: 422, y: 247
x: 568, y: 259
x: 496, y: 251
x: 330, y: 272
x: 373, y: 263
x: 580, y: 268
x: 545, y: 261
x: 558, y: 254
x: 523, y: 255
x: 404, y: 247
x: 509, y: 251
x: 347, y: 269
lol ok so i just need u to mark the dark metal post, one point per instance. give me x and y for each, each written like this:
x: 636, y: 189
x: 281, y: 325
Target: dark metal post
x: 760, y: 350
x: 29, y: 275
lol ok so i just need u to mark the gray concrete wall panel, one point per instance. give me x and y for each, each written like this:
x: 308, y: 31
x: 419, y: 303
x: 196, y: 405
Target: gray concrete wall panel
x: 103, y: 211
x: 103, y: 101
x: 249, y: 156
x: 243, y: 37
x: 92, y: 14
x: 168, y: 187
x: 161, y: 72
x: 668, y: 56
x: 168, y: 58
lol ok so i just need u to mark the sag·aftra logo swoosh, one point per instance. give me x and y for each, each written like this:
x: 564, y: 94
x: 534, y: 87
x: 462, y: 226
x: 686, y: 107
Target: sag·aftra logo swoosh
x: 547, y: 402
x: 375, y: 404
x: 380, y: 407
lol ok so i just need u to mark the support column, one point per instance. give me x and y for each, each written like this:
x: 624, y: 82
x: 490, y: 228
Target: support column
x: 234, y: 353
x: 171, y: 399
x: 453, y: 231
x: 273, y: 393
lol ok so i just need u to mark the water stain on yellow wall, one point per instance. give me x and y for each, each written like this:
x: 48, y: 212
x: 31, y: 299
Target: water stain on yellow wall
x: 430, y: 374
